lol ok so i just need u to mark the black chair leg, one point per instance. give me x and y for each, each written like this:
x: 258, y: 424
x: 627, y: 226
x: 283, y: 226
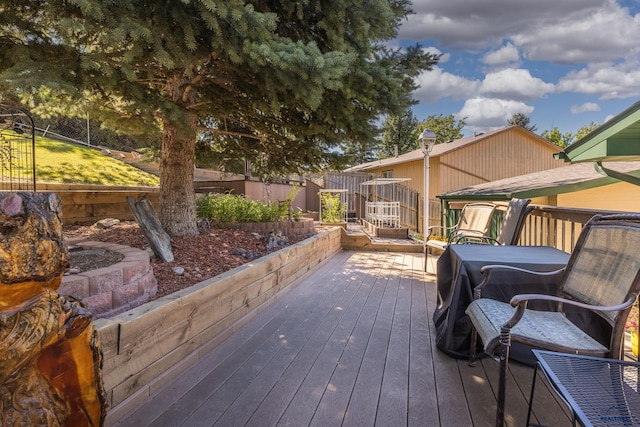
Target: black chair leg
x: 533, y: 388
x: 502, y: 383
x: 474, y: 344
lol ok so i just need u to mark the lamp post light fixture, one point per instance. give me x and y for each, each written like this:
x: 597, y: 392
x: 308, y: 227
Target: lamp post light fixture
x: 427, y: 140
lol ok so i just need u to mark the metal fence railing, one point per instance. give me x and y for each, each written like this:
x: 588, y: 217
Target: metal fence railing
x: 84, y: 131
x: 17, y: 150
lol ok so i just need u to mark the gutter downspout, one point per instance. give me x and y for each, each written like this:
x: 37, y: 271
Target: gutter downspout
x: 615, y: 174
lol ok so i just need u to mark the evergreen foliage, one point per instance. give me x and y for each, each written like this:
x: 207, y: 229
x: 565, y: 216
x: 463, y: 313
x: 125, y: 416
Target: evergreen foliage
x: 278, y: 83
x: 399, y: 131
x: 521, y: 119
x: 446, y: 128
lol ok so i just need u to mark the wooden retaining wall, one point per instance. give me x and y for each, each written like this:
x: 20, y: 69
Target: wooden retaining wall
x: 148, y: 346
x: 87, y: 204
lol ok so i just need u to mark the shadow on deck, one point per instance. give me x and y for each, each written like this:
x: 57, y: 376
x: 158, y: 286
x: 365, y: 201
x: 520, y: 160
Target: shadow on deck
x: 353, y: 344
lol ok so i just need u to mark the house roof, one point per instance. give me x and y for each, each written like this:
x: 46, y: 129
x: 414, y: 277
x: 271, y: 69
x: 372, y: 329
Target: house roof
x: 566, y: 179
x: 442, y: 149
x: 617, y: 139
x: 385, y: 181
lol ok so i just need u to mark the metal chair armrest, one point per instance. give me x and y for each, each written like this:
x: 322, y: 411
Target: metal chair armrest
x: 523, y: 298
x: 486, y: 270
x: 520, y: 303
x: 471, y: 239
x: 459, y: 233
x: 442, y: 228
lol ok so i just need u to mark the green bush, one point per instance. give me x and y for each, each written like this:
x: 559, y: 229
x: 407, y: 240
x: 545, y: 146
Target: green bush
x: 228, y: 208
x: 333, y: 210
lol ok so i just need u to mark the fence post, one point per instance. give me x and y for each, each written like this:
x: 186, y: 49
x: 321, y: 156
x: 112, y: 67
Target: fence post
x: 88, y: 131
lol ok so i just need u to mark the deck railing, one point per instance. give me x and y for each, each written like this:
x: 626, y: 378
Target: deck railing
x: 556, y: 226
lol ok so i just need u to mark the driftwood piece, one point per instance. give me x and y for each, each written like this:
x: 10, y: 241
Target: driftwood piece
x: 147, y: 219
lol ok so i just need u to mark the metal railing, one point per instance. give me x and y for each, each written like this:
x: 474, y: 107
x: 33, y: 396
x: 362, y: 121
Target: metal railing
x: 17, y: 150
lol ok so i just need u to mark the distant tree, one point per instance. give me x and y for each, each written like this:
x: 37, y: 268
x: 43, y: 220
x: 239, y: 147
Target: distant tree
x: 446, y: 128
x: 586, y: 129
x: 401, y: 131
x: 555, y: 136
x: 354, y: 152
x: 521, y: 119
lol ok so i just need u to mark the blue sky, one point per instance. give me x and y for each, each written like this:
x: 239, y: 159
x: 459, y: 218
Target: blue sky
x: 563, y: 63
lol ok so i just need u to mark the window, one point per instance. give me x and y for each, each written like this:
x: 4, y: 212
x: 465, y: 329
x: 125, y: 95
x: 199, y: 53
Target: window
x: 387, y: 174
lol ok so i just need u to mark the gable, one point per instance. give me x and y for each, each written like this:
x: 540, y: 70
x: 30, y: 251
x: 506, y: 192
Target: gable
x: 617, y: 139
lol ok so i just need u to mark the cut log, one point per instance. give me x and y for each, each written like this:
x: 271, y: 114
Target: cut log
x: 147, y: 218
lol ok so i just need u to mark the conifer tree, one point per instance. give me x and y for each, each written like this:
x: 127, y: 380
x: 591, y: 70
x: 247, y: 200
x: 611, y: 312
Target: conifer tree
x: 277, y: 81
x: 399, y: 132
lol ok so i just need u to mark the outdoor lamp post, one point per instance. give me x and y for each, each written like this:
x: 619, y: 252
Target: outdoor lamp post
x: 427, y: 140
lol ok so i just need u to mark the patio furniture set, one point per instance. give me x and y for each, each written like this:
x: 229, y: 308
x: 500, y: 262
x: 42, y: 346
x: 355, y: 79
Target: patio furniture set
x: 563, y: 313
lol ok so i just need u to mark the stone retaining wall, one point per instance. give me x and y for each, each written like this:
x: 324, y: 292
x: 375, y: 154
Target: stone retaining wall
x: 115, y: 289
x: 304, y: 227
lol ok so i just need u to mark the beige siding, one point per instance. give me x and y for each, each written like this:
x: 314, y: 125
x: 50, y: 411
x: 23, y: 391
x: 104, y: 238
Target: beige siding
x: 502, y: 155
x: 616, y: 197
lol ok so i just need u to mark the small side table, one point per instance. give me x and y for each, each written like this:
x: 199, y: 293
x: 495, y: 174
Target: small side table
x: 598, y: 391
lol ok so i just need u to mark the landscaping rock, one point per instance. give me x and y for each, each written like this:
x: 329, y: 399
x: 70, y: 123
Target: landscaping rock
x: 107, y: 223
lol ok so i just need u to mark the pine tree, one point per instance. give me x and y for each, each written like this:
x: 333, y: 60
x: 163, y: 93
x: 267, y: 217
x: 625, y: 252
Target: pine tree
x: 399, y: 131
x: 521, y: 119
x: 275, y: 81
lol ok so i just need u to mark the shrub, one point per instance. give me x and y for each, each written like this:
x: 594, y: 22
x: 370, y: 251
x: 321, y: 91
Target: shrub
x: 333, y: 210
x: 228, y: 208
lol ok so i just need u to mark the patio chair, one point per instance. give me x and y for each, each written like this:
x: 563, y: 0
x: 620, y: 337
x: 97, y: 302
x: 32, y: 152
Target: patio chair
x: 475, y: 219
x: 602, y: 278
x: 512, y: 223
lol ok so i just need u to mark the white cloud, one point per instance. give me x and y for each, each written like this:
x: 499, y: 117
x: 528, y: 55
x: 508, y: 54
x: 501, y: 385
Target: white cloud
x: 566, y: 32
x: 506, y: 55
x: 606, y: 81
x: 438, y: 84
x: 482, y: 114
x: 514, y: 84
x: 585, y: 36
x: 477, y: 24
x: 587, y: 106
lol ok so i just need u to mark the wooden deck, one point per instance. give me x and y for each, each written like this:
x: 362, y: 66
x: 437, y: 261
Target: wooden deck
x: 352, y: 345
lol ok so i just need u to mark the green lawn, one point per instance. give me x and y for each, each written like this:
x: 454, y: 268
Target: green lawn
x: 61, y: 162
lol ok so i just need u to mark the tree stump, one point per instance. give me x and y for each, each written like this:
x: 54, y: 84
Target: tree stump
x: 51, y: 360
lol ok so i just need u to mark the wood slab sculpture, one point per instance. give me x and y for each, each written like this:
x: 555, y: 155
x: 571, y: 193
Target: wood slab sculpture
x: 50, y: 371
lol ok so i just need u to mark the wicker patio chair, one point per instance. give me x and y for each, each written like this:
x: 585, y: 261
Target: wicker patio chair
x: 475, y: 219
x: 512, y: 223
x: 601, y: 278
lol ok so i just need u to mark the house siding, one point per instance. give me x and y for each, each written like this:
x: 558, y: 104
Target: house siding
x: 621, y: 196
x: 503, y: 155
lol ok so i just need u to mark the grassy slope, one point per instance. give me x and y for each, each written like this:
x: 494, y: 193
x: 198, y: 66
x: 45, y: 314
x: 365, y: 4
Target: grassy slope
x: 61, y: 162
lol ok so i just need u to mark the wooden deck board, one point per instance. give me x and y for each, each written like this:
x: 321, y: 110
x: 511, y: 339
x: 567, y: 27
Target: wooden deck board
x: 353, y: 344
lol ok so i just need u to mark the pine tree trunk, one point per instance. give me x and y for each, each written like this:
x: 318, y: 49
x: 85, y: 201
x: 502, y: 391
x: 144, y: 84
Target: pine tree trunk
x: 177, y: 199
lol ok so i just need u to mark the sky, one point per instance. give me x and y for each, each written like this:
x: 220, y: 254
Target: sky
x: 562, y: 63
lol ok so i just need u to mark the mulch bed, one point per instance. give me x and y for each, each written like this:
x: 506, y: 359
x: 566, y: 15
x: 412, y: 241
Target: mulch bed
x: 196, y: 258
